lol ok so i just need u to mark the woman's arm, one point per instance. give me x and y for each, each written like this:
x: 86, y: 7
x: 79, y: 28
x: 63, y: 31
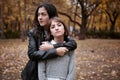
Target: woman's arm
x: 70, y: 44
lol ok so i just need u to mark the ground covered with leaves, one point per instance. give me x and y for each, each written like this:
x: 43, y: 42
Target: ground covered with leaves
x: 96, y: 59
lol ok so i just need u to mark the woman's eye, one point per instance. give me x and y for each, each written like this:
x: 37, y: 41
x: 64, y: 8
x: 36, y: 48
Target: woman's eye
x: 44, y: 14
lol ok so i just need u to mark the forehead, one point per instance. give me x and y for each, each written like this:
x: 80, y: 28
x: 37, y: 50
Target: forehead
x: 55, y: 21
x: 42, y: 10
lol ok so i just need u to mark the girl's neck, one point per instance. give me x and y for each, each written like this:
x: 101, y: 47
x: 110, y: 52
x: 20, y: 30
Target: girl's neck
x: 59, y: 39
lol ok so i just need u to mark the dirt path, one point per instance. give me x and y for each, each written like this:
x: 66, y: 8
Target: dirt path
x: 95, y: 59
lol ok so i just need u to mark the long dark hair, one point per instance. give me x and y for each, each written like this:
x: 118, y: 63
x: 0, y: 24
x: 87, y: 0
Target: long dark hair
x: 58, y: 19
x: 52, y: 12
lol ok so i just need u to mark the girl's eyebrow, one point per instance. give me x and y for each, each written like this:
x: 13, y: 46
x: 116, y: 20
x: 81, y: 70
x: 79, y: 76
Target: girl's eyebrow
x: 59, y: 23
x: 52, y: 25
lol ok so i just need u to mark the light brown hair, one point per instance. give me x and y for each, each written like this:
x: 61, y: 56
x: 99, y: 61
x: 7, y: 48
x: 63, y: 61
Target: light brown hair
x: 58, y: 19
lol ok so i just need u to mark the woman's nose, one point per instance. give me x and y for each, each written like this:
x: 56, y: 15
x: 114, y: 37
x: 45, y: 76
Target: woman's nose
x: 40, y: 17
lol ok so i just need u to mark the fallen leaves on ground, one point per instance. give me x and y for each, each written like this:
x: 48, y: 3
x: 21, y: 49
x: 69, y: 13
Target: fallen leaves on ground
x: 96, y: 59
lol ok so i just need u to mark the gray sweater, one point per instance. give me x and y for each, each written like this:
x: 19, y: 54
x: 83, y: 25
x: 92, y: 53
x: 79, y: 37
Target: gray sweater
x: 60, y: 68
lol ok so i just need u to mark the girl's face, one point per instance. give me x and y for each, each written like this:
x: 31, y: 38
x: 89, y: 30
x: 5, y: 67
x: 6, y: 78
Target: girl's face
x: 57, y: 29
x: 43, y: 17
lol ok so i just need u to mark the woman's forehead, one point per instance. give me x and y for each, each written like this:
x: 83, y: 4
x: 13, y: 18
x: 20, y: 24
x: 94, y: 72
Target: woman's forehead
x: 42, y: 9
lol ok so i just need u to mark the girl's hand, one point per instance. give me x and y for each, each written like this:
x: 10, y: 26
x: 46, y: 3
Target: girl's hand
x: 46, y: 46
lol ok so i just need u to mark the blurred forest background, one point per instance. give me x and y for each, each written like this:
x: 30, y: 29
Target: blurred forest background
x: 85, y: 18
x: 94, y: 24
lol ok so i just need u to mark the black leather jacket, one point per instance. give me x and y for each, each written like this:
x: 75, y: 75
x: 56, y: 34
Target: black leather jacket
x: 35, y: 55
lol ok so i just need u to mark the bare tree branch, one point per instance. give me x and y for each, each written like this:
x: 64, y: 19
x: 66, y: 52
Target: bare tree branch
x: 65, y: 14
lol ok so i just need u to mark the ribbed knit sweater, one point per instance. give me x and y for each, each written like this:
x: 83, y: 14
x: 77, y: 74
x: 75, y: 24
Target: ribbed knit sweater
x: 60, y: 68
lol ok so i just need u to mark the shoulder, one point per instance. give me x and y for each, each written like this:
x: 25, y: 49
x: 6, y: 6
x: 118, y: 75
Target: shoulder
x: 69, y: 39
x: 30, y: 32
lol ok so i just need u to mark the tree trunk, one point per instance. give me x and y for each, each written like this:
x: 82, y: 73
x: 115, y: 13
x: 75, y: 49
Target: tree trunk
x: 75, y: 12
x: 112, y: 28
x: 2, y: 20
x: 25, y: 14
x: 21, y: 26
x: 82, y: 34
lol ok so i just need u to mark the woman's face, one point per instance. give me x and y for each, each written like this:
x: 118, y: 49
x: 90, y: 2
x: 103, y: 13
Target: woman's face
x: 57, y: 29
x: 43, y: 16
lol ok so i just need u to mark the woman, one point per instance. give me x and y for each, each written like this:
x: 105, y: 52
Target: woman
x: 59, y: 68
x: 37, y: 35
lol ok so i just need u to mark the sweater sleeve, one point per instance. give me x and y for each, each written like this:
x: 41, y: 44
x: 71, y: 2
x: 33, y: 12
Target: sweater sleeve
x: 71, y: 70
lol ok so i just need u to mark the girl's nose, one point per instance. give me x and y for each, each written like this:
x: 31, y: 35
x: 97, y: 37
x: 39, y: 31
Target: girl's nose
x: 56, y: 27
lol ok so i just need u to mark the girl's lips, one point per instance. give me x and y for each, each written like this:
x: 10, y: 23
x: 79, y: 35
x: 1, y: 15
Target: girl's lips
x: 57, y: 31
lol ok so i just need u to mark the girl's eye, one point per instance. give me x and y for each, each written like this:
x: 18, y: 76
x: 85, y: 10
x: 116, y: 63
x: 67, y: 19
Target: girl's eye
x: 59, y: 24
x: 52, y: 26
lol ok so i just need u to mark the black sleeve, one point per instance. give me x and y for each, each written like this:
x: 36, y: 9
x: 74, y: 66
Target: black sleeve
x: 36, y: 54
x: 70, y: 44
x: 43, y: 55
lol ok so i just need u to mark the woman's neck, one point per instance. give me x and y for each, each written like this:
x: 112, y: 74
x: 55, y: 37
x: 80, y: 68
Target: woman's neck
x: 45, y: 27
x: 59, y: 39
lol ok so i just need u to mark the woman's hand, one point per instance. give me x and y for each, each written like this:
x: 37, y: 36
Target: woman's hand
x: 46, y: 46
x: 61, y: 51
